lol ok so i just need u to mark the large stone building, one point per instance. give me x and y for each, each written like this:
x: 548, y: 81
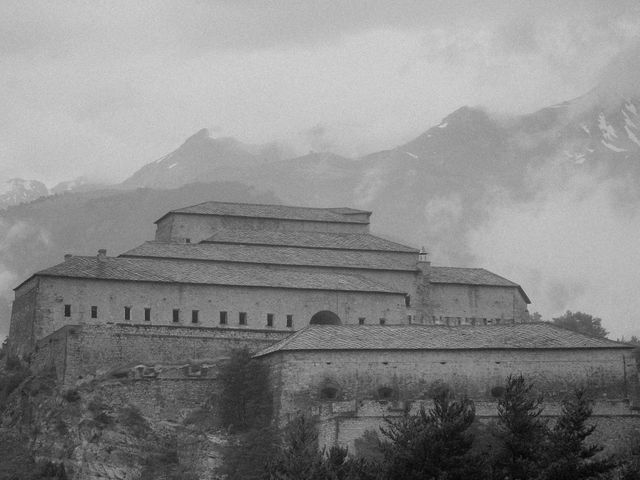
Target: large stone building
x: 353, y: 327
x: 260, y: 267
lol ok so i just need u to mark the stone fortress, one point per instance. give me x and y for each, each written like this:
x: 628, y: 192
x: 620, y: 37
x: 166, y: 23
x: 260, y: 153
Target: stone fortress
x: 352, y: 326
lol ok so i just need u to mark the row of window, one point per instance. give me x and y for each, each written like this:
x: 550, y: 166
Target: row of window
x: 195, y: 316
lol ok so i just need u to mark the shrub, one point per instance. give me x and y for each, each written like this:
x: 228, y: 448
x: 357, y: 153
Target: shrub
x: 71, y: 395
x: 131, y: 417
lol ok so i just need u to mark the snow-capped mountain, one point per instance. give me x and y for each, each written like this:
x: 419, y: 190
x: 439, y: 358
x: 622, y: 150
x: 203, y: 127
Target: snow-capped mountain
x: 16, y: 190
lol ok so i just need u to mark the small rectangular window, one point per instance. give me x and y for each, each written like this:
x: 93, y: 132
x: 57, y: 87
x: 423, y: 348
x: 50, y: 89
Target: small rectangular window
x: 383, y: 321
x: 176, y: 315
x: 67, y: 310
x: 242, y: 318
x: 127, y: 313
x: 94, y: 311
x: 289, y: 321
x: 223, y: 318
x: 269, y: 319
x: 407, y: 300
x: 194, y: 316
x: 361, y: 321
x: 147, y: 314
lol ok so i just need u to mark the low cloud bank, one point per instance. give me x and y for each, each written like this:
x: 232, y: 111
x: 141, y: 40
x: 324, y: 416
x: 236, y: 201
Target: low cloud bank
x: 574, y: 246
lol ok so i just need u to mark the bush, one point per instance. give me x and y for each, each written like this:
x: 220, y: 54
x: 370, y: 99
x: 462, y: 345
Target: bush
x: 131, y: 417
x: 72, y: 395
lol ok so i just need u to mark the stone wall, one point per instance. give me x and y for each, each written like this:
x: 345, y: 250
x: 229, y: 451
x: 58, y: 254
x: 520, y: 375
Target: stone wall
x: 370, y: 385
x: 83, y: 352
x: 23, y: 319
x: 111, y: 298
x: 460, y: 302
x: 177, y: 227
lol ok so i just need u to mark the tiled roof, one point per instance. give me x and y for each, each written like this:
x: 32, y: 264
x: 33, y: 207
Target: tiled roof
x: 342, y: 241
x: 436, y: 337
x: 472, y: 276
x: 340, y: 215
x: 274, y: 255
x: 210, y: 273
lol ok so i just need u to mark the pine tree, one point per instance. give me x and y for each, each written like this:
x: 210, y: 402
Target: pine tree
x: 434, y: 444
x: 521, y: 431
x: 299, y: 456
x: 568, y: 456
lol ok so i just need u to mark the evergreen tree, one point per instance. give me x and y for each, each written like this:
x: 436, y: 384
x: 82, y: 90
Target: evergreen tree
x: 299, y: 456
x: 520, y: 430
x: 568, y: 456
x: 434, y: 444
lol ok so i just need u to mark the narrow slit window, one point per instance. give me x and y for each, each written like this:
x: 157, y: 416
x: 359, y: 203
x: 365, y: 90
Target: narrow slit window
x: 67, y: 310
x: 194, y: 316
x: 127, y: 313
x: 223, y: 318
x: 242, y: 318
x: 176, y: 315
x: 289, y: 321
x: 147, y: 314
x: 94, y: 311
x: 269, y: 319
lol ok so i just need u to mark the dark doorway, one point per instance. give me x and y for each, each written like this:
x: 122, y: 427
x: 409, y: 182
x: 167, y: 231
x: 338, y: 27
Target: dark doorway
x: 325, y: 317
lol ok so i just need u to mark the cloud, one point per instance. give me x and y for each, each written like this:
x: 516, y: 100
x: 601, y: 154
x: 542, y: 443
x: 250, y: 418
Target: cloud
x: 570, y: 248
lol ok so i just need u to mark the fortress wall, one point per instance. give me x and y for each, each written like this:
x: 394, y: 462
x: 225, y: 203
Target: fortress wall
x: 94, y: 350
x: 112, y: 296
x: 477, y: 301
x: 299, y: 378
x: 178, y: 227
x: 22, y: 334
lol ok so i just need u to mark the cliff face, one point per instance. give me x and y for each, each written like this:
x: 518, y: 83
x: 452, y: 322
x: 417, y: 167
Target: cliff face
x: 45, y: 430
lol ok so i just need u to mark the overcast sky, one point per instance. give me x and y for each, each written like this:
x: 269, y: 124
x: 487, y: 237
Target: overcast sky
x: 101, y: 88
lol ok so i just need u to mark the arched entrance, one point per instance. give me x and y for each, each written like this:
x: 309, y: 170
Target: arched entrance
x: 325, y: 317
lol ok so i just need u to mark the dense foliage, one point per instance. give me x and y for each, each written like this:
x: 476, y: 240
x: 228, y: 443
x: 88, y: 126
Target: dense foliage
x: 582, y: 323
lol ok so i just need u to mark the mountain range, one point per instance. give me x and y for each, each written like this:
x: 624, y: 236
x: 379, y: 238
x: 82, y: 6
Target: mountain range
x: 431, y: 191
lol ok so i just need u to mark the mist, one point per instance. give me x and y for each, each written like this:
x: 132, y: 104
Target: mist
x: 574, y: 246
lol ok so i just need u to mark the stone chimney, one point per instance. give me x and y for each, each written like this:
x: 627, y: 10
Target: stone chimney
x: 423, y: 300
x: 102, y: 254
x: 67, y: 256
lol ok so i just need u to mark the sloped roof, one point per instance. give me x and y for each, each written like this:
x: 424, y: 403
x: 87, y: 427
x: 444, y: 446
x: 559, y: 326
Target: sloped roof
x: 210, y: 273
x: 340, y: 241
x: 436, y: 337
x: 275, y: 255
x: 340, y: 215
x: 472, y: 276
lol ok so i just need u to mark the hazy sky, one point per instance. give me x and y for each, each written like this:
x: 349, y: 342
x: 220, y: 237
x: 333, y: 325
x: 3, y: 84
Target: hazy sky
x: 100, y: 88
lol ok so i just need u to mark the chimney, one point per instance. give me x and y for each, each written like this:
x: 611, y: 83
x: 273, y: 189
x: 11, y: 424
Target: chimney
x: 102, y: 254
x: 67, y: 256
x: 422, y: 257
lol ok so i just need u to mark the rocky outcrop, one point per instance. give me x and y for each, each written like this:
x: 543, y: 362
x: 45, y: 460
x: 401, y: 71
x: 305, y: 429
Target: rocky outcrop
x: 93, y: 438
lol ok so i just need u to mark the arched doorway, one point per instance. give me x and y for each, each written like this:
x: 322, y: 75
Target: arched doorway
x: 325, y: 317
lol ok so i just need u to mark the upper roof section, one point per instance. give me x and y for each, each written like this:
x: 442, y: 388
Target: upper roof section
x: 435, y: 337
x: 276, y: 212
x: 275, y: 255
x: 472, y: 276
x: 209, y: 273
x: 336, y: 241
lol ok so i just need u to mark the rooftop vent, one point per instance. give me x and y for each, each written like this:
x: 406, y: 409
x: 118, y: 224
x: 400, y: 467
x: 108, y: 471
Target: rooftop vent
x: 102, y: 254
